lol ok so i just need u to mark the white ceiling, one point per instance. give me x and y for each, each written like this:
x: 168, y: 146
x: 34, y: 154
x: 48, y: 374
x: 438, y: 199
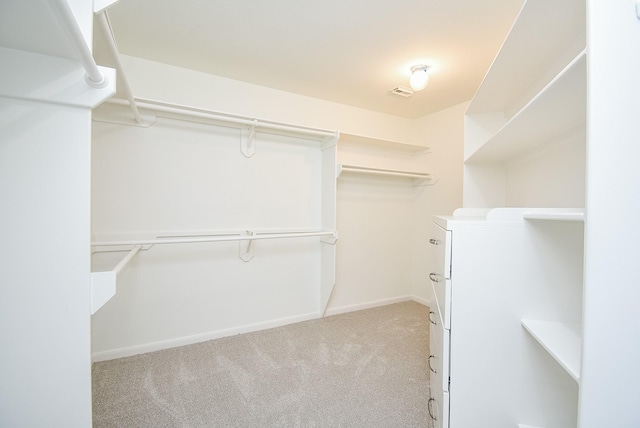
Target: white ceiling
x: 349, y: 51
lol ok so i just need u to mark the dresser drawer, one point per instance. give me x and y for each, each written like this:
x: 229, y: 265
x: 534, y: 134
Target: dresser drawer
x: 441, y: 276
x: 439, y: 370
x: 441, y: 243
x: 439, y: 410
x: 442, y: 293
x: 439, y: 339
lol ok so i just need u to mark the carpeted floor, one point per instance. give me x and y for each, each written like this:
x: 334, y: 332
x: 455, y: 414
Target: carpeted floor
x: 360, y: 369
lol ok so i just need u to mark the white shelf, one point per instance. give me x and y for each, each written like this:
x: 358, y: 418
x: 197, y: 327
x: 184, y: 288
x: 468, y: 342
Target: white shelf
x: 560, y: 341
x: 558, y: 108
x: 555, y: 215
x: 417, y: 177
x: 359, y: 141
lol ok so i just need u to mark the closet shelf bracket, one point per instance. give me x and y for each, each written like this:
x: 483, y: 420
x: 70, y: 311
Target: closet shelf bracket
x: 248, y: 140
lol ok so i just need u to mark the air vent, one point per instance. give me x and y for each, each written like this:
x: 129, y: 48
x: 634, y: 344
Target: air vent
x: 403, y: 92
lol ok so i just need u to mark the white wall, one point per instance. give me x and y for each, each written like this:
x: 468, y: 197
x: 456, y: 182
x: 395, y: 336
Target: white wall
x: 444, y: 132
x: 553, y: 176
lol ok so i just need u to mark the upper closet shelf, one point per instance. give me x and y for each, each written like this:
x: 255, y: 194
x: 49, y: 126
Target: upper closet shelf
x: 557, y: 109
x: 358, y: 141
x: 45, y: 57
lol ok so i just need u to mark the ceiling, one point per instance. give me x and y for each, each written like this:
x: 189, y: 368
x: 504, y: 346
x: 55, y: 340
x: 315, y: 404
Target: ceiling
x: 352, y: 52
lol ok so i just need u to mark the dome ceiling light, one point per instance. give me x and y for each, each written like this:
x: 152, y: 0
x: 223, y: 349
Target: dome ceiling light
x: 419, y: 77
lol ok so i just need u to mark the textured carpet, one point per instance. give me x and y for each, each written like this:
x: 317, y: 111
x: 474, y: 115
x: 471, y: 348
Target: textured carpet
x: 360, y: 369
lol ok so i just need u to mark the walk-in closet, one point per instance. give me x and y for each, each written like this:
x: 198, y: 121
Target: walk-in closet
x: 365, y: 213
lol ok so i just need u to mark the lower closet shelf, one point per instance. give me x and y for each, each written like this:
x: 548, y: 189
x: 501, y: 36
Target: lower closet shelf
x: 560, y: 341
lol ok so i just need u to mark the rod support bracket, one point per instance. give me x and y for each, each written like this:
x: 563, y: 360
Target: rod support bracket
x: 246, y: 247
x: 248, y: 140
x: 330, y: 239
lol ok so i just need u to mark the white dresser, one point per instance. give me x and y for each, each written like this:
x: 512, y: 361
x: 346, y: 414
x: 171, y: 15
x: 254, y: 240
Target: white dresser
x: 496, y: 271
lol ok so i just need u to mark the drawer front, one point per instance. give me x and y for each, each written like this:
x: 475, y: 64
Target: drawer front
x: 439, y: 410
x: 442, y: 293
x: 439, y: 401
x: 441, y: 243
x: 439, y: 354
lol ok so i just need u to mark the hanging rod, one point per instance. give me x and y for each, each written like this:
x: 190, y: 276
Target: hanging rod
x: 200, y: 113
x: 94, y: 76
x: 183, y: 240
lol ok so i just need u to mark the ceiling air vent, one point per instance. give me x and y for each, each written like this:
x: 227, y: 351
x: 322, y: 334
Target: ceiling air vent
x: 403, y: 92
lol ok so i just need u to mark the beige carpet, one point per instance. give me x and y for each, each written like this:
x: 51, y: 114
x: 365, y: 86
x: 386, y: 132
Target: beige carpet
x: 361, y: 369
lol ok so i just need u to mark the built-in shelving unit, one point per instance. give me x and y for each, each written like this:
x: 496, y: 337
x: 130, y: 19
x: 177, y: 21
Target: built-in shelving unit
x: 525, y: 146
x: 561, y: 340
x: 532, y: 102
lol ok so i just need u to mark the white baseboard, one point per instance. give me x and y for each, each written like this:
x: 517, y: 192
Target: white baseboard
x: 197, y: 338
x: 421, y: 300
x: 218, y: 334
x: 366, y: 305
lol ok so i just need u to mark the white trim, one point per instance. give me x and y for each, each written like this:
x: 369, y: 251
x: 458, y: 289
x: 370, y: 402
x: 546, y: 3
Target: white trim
x: 366, y: 305
x: 421, y: 300
x: 197, y: 338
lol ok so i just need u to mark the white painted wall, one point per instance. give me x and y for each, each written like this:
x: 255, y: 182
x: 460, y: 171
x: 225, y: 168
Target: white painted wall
x: 552, y: 176
x: 444, y: 133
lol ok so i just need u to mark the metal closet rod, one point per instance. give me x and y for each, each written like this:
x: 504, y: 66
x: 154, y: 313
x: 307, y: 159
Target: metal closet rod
x: 199, y: 113
x: 184, y: 240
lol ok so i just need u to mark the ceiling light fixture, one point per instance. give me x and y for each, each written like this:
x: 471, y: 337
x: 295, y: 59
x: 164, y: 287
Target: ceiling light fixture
x: 419, y: 77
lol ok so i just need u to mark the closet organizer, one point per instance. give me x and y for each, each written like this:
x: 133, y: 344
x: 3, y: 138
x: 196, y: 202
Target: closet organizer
x: 291, y: 181
x: 230, y: 216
